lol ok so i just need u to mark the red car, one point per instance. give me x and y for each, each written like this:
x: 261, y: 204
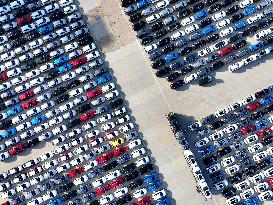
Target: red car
x: 79, y: 61
x: 76, y: 172
x: 24, y: 20
x: 4, y: 76
x: 116, y: 182
x: 270, y: 181
x: 226, y: 50
x: 248, y: 129
x: 265, y: 132
x: 20, y: 148
x: 119, y: 151
x: 254, y: 106
x: 6, y: 203
x: 145, y: 201
x: 29, y: 104
x: 86, y: 116
x: 99, y: 191
x: 94, y: 93
x: 26, y: 95
x: 105, y: 157
x: 13, y: 151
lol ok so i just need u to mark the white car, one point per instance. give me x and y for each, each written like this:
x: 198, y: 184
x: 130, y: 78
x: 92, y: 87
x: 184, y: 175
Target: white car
x: 106, y: 199
x: 235, y: 66
x: 40, y: 89
x: 54, y: 82
x: 111, y: 95
x: 261, y: 187
x: 51, y: 7
x: 142, y: 161
x: 69, y: 9
x: 165, y: 12
x: 221, y: 185
x: 148, y: 11
x: 256, y: 147
x: 150, y: 48
x: 247, y: 193
x: 138, y: 152
x: 269, y: 150
x: 113, y: 175
x: 250, y: 139
x: 77, y: 161
x: 64, y: 3
x: 14, y: 72
x: 233, y: 200
x: 223, y: 23
x: 8, y: 55
x: 232, y: 169
x: 81, y: 149
x: 66, y: 107
x: 36, y: 43
x: 192, y: 28
x: 92, y: 55
x: 253, y: 19
x: 91, y: 165
x: 242, y: 185
x: 49, y: 37
x: 267, y: 195
x: 104, y: 118
x: 42, y: 21
x: 202, y: 142
x: 59, y: 130
x: 245, y: 3
x: 108, y: 87
x: 55, y: 120
x: 162, y: 4
x: 8, y: 193
x: 121, y: 192
x: 23, y: 126
x: 260, y: 156
x: 213, y: 168
x: 81, y: 31
x: 140, y: 193
x: 188, y: 20
x: 257, y: 178
x: 153, y: 18
x: 40, y: 51
x: 99, y: 182
x: 71, y: 47
x: 177, y: 35
x: 76, y: 92
x: 56, y: 53
x: 219, y: 15
x: 127, y: 127
x: 230, y: 128
x: 227, y: 161
x: 46, y: 67
x: 19, y: 118
x: 74, y: 54
x: 70, y: 114
x: 119, y: 112
x: 36, y: 81
x: 134, y: 143
x: 88, y: 48
x: 190, y: 78
x: 18, y: 80
x: 32, y: 73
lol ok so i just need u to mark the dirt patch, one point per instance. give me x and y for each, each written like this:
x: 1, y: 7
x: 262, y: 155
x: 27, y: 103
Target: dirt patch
x: 109, y: 26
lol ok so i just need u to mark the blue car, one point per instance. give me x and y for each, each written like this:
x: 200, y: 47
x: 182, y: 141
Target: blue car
x: 165, y: 201
x: 270, y: 89
x: 61, y: 60
x: 9, y: 133
x: 14, y: 110
x: 65, y: 68
x: 255, y: 46
x: 266, y: 101
x: 249, y: 10
x: 57, y: 201
x: 195, y: 36
x: 143, y: 3
x: 253, y: 201
x: 191, y: 58
x: 104, y: 79
x: 262, y: 123
x: 45, y: 29
x: 201, y: 14
x: 172, y: 56
x: 240, y: 25
x: 208, y: 30
x: 151, y: 177
x: 38, y: 120
x: 207, y: 150
x: 154, y: 186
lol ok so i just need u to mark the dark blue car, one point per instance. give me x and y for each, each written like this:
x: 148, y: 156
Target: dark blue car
x: 255, y: 46
x: 104, y: 79
x: 154, y: 186
x: 172, y: 56
x: 191, y: 58
x: 151, y: 177
x: 165, y: 201
x: 207, y: 150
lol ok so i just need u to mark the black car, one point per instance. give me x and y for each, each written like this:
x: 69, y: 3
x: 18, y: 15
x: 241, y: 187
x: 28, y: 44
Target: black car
x: 197, y: 7
x: 205, y: 80
x: 116, y: 103
x: 205, y: 22
x: 126, y: 3
x: 214, y: 8
x: 177, y: 64
x: 128, y: 168
x: 73, y: 84
x: 235, y: 178
x: 51, y: 74
x: 71, y: 194
x: 135, y: 17
x: 232, y: 9
x: 218, y: 176
x: 139, y: 25
x: 213, y: 38
x: 268, y: 140
x: 173, y: 76
x: 223, y: 152
x: 146, y: 168
x: 31, y: 143
x: 169, y: 48
x: 262, y: 93
x: 160, y: 33
x: 183, y: 13
x: 177, y: 84
x: 110, y: 166
x: 227, y: 2
x: 142, y: 33
x: 85, y: 40
x: 210, y: 2
x: 264, y: 24
x: 187, y: 69
x: 250, y: 171
x: 58, y: 91
x: 217, y: 65
x: 246, y: 162
x: 65, y: 187
x: 263, y: 164
x: 95, y: 202
x: 164, y: 42
x: 190, y: 2
x: 186, y: 50
x: 84, y: 107
x: 62, y: 98
x: 73, y: 123
x: 18, y: 42
x: 217, y: 124
x: 14, y: 34
x: 158, y: 63
x: 209, y: 160
x: 156, y: 26
x: 163, y: 71
x: 5, y: 124
x: 28, y: 66
x: 236, y: 17
x: 199, y: 44
x: 136, y: 183
x: 235, y: 37
x: 268, y: 40
x: 125, y: 199
x: 257, y: 115
x: 21, y: 12
x: 154, y: 55
x: 174, y: 27
x: 229, y: 192
x: 250, y: 30
x: 146, y: 40
x: 42, y: 59
x: 131, y: 176
x: 56, y: 15
x: 32, y: 35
